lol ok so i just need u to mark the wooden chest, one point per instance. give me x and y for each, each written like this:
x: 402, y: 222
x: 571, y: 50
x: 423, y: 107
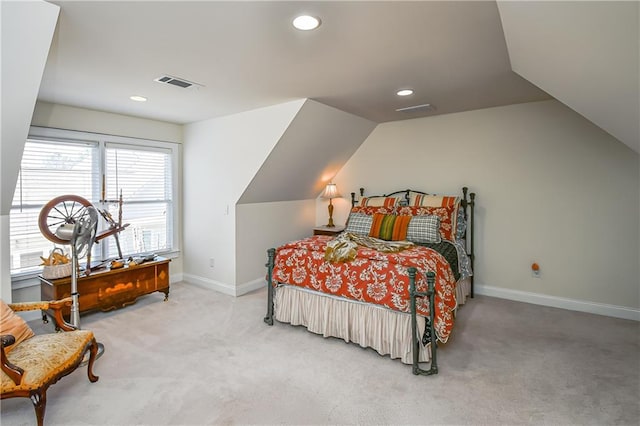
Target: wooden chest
x: 111, y: 288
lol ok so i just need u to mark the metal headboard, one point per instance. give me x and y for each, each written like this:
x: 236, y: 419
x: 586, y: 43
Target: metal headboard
x: 467, y: 202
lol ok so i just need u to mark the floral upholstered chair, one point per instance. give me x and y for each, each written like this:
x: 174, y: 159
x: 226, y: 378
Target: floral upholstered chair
x: 31, y: 363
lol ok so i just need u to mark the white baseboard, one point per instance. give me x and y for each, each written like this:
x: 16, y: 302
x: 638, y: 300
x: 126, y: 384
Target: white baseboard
x: 559, y: 302
x: 250, y: 286
x: 210, y: 284
x: 224, y: 288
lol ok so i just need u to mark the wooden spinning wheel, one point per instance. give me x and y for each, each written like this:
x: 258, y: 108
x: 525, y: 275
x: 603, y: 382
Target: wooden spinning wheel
x: 69, y: 209
x: 61, y: 210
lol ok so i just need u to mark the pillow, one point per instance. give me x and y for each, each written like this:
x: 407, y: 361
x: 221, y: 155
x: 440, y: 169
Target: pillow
x: 359, y: 223
x: 13, y: 324
x: 389, y: 227
x: 379, y: 201
x: 373, y: 210
x: 447, y: 215
x: 461, y: 224
x: 428, y: 200
x: 424, y: 229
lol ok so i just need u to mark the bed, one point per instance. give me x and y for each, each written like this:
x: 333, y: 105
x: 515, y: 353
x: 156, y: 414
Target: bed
x: 392, y: 281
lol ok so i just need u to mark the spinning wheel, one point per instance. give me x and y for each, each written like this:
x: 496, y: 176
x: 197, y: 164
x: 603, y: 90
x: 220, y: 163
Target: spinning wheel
x: 68, y: 210
x: 65, y: 209
x: 78, y: 226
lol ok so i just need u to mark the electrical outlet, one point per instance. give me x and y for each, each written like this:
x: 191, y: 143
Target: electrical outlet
x: 212, y: 263
x: 535, y: 270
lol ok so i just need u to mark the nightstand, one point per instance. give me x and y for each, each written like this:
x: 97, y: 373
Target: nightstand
x: 325, y: 230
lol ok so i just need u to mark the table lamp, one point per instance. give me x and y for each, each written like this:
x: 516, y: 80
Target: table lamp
x: 330, y: 192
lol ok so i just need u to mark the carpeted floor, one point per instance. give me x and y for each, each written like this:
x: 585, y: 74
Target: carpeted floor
x: 206, y: 358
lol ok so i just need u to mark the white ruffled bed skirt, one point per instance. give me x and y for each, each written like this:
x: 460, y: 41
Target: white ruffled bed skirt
x: 386, y: 331
x: 463, y: 289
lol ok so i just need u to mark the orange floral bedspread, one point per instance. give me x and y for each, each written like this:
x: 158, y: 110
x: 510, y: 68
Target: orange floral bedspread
x: 372, y: 277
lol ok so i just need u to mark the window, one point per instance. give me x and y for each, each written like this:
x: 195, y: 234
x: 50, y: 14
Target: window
x: 143, y: 176
x: 100, y: 168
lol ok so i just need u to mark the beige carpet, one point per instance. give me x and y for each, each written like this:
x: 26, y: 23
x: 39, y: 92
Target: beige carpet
x: 206, y: 358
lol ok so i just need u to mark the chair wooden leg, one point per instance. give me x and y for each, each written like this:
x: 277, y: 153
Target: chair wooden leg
x: 93, y: 352
x: 39, y: 400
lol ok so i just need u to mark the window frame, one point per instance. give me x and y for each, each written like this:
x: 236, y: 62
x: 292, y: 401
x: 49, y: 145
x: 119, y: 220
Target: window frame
x: 102, y: 140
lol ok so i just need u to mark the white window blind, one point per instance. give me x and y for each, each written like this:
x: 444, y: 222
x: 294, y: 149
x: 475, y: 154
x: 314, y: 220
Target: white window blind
x: 142, y: 171
x: 143, y: 176
x: 48, y: 169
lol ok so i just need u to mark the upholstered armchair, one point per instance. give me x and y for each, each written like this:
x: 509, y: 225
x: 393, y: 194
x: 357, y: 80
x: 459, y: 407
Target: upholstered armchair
x: 31, y: 363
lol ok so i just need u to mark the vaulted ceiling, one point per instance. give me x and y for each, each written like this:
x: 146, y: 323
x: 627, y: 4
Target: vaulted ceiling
x: 585, y: 54
x: 247, y: 55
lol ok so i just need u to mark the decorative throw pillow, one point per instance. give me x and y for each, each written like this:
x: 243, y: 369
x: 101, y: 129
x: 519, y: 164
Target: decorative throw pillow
x: 461, y: 225
x: 13, y: 324
x: 371, y: 210
x: 447, y: 215
x: 428, y: 200
x: 447, y: 207
x: 379, y: 201
x: 389, y: 227
x: 424, y: 229
x: 359, y: 223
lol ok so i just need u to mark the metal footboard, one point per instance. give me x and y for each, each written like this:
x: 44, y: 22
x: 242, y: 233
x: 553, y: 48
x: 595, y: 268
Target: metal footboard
x: 413, y: 294
x: 271, y: 256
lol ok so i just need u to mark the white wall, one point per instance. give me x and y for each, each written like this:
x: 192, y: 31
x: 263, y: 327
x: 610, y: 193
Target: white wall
x: 27, y: 30
x: 87, y: 120
x: 265, y: 225
x: 221, y: 156
x: 552, y: 188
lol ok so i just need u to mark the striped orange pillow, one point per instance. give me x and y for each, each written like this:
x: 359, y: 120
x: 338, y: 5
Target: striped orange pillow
x: 428, y: 200
x: 389, y: 227
x: 379, y: 201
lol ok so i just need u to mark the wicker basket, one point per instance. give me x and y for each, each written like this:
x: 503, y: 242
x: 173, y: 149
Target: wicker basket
x: 53, y: 272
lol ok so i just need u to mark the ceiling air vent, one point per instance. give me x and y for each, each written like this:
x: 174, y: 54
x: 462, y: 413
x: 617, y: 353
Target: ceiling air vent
x: 175, y: 81
x: 417, y: 108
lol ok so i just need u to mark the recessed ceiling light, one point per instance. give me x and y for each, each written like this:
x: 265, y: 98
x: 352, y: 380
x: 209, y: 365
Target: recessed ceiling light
x: 404, y: 92
x: 138, y: 98
x: 306, y: 23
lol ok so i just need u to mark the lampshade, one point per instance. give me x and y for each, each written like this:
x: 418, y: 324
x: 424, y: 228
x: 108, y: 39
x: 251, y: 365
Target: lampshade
x: 331, y: 191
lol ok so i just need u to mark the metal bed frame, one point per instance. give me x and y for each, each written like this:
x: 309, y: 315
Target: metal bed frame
x: 413, y: 294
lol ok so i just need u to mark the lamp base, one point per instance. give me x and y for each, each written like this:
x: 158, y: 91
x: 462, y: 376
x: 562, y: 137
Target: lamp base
x: 330, y: 224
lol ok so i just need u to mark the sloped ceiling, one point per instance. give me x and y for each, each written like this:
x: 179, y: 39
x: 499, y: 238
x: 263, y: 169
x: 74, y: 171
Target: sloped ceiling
x: 27, y: 30
x: 247, y: 55
x: 585, y: 54
x: 319, y: 140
